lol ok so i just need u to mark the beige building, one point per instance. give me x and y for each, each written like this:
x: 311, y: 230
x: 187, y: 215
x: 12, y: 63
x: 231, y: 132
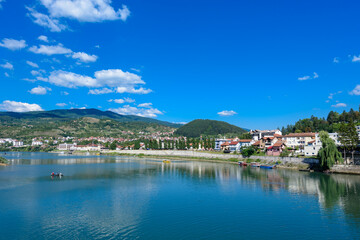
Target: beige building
x: 299, y: 140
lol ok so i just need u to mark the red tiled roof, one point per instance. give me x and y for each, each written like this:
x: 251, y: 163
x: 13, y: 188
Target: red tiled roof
x: 245, y: 140
x: 225, y: 144
x: 278, y: 135
x: 278, y: 143
x: 257, y: 143
x: 233, y: 143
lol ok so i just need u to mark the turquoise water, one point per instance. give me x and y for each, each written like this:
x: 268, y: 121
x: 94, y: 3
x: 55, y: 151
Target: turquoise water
x: 131, y: 198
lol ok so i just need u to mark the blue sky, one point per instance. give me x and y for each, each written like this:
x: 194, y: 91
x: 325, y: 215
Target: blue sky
x: 255, y: 64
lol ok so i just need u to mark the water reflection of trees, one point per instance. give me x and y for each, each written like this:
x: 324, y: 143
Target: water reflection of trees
x: 332, y: 190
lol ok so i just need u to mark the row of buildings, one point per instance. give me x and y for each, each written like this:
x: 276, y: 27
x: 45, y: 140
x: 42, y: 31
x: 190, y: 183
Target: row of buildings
x: 273, y: 142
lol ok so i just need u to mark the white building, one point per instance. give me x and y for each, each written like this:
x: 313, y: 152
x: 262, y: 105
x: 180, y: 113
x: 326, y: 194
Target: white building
x: 66, y: 146
x: 218, y: 143
x: 299, y: 140
x: 18, y: 143
x: 36, y: 143
x: 259, y: 134
x: 313, y: 147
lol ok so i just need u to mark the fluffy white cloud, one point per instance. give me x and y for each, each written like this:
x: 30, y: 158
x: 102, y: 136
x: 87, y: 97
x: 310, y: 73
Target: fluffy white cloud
x: 339, y: 105
x: 39, y: 90
x: 336, y: 60
x: 61, y: 104
x: 6, y: 74
x: 133, y: 90
x: 120, y: 101
x: 61, y: 50
x: 304, y: 78
x: 356, y: 90
x: 7, y: 65
x: 227, y: 113
x: 356, y: 58
x: 129, y: 100
x: 13, y: 44
x: 45, y: 21
x: 13, y: 106
x: 50, y: 50
x: 32, y: 64
x: 142, y: 112
x: 100, y: 91
x: 43, y: 38
x: 64, y: 93
x: 85, y: 10
x: 84, y: 57
x: 124, y: 82
x: 145, y: 105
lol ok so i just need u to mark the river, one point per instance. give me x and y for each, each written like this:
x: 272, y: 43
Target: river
x: 103, y: 197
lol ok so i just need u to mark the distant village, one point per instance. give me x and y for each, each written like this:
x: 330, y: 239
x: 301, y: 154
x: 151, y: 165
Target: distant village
x: 268, y: 142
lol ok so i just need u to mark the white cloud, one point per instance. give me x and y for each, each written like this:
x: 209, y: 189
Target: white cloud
x: 39, y: 90
x: 142, y: 112
x: 13, y: 106
x: 64, y: 93
x: 336, y: 60
x: 227, y: 113
x: 61, y: 104
x: 356, y: 58
x: 84, y: 57
x: 304, y: 78
x: 50, y: 50
x: 145, y: 105
x: 13, y: 44
x: 135, y: 69
x: 45, y: 21
x: 129, y: 100
x: 120, y: 101
x: 6, y: 74
x: 100, y: 91
x: 356, y: 90
x: 7, y: 65
x: 1, y: 4
x: 97, y: 46
x: 32, y: 64
x: 133, y: 90
x: 43, y: 38
x: 124, y: 82
x: 85, y: 10
x: 339, y: 105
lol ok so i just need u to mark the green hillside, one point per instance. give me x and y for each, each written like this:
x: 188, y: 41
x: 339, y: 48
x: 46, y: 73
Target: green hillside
x: 200, y: 127
x: 68, y: 114
x: 77, y: 123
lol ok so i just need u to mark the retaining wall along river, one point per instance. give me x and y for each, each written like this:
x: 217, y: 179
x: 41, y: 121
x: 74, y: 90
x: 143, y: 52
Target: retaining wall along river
x: 207, y: 155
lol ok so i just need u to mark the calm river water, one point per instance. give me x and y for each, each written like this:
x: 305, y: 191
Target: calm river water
x: 130, y: 198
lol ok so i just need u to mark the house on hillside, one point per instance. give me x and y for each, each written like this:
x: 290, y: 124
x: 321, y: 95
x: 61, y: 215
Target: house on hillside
x: 219, y: 142
x: 276, y: 149
x: 299, y: 140
x: 259, y: 134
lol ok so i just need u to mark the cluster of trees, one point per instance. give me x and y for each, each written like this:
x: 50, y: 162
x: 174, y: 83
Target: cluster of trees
x: 331, y: 124
x: 200, y: 127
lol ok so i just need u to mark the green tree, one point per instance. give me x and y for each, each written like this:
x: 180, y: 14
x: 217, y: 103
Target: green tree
x: 113, y: 146
x: 247, y: 151
x: 328, y: 155
x: 137, y: 145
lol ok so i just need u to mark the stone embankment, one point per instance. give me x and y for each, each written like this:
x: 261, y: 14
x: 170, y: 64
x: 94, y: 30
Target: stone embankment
x: 217, y: 156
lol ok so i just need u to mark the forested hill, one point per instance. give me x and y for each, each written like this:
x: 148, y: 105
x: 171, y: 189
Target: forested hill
x: 71, y: 114
x: 202, y: 127
x: 330, y: 124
